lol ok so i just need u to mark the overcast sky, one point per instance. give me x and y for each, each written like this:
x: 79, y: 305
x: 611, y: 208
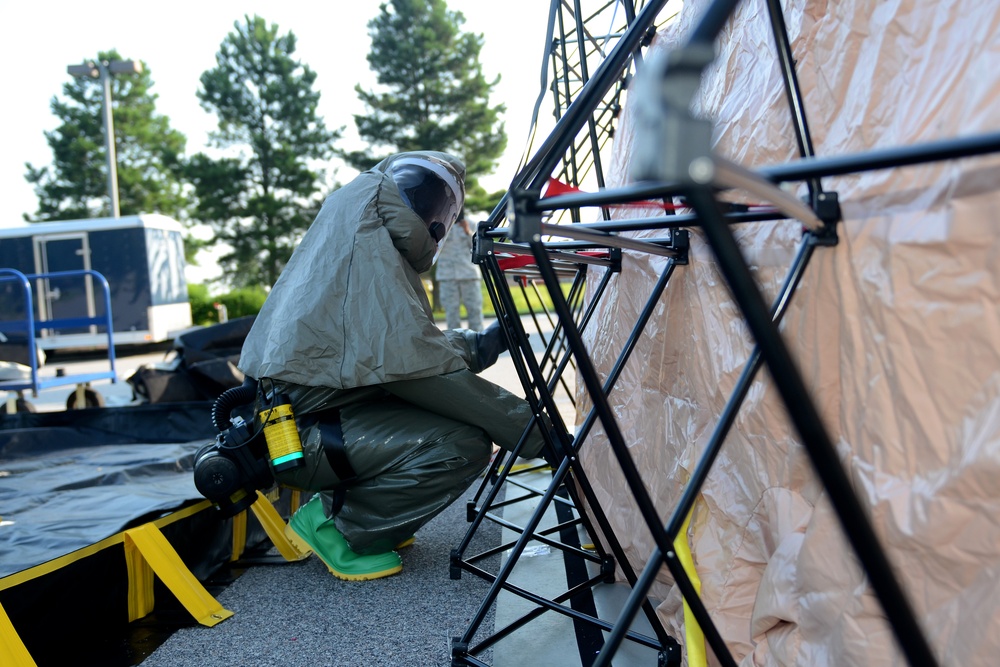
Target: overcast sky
x: 178, y: 41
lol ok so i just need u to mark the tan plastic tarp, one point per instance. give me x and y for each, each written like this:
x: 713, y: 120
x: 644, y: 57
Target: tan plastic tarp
x: 896, y: 331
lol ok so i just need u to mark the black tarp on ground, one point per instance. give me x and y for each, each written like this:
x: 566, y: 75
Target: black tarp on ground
x: 70, y: 483
x: 70, y: 479
x: 100, y: 471
x: 203, y: 365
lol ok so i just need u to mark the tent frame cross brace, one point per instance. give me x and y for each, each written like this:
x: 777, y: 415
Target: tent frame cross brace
x: 678, y: 165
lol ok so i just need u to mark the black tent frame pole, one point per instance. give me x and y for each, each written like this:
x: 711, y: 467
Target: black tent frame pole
x: 666, y: 643
x: 786, y: 60
x: 791, y: 172
x: 628, y: 468
x: 595, y: 144
x: 700, y: 473
x: 885, y: 158
x: 673, y: 93
x: 542, y: 164
x: 805, y: 417
x: 493, y: 277
x: 504, y: 304
x: 770, y: 347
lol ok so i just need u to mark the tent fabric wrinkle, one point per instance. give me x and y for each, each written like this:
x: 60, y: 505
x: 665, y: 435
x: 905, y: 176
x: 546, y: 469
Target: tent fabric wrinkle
x: 894, y: 331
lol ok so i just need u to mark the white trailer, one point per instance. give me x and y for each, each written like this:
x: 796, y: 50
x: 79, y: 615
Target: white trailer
x: 142, y: 258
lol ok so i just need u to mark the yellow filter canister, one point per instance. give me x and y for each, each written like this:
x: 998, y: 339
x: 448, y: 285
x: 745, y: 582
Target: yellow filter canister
x: 282, y: 436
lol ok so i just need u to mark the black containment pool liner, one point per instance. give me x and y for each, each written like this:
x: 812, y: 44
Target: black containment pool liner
x: 71, y: 484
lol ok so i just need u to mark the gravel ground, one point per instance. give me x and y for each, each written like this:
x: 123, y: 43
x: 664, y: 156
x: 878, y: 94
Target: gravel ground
x: 298, y: 614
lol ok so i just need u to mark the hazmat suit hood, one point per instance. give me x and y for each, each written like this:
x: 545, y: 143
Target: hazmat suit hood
x: 349, y: 309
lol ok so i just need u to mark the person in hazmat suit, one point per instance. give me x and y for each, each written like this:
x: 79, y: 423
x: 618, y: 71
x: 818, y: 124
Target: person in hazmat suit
x: 347, y: 334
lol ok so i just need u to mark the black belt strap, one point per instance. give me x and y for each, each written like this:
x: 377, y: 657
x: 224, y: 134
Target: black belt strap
x: 332, y: 438
x: 336, y: 452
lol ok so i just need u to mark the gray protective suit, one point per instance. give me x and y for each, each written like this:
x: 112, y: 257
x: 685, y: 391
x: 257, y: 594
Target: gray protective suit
x: 348, y: 327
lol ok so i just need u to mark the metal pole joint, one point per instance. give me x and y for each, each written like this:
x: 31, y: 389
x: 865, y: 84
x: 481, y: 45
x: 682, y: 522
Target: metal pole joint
x: 525, y: 219
x: 669, y: 140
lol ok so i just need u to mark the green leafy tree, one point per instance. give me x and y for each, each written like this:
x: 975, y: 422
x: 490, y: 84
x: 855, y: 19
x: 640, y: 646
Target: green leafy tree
x: 148, y: 152
x: 202, y: 305
x: 433, y: 94
x: 263, y: 193
x: 243, y: 301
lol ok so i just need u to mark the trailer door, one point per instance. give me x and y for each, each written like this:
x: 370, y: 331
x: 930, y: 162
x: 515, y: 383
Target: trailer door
x: 64, y: 297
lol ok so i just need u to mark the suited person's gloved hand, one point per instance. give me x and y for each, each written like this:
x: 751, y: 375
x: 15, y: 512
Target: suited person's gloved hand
x: 490, y: 344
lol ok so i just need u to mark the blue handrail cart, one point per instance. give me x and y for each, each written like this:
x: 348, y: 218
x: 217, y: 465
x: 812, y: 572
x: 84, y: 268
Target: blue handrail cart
x: 32, y: 327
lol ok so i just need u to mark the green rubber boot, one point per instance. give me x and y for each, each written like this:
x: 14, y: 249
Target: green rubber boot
x: 310, y: 530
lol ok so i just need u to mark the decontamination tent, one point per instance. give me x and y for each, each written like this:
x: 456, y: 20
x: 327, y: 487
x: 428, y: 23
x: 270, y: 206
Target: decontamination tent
x: 896, y: 331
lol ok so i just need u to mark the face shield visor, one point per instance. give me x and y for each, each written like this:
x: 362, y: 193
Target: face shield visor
x: 433, y: 191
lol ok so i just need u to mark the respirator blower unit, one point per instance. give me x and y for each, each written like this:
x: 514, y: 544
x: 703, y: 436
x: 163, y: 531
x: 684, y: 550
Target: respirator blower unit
x: 242, y: 460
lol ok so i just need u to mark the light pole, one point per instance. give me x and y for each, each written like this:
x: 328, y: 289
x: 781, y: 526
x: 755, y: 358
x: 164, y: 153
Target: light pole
x: 103, y: 69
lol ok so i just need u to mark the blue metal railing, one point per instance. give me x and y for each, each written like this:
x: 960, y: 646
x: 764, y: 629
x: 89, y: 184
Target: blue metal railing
x: 32, y: 326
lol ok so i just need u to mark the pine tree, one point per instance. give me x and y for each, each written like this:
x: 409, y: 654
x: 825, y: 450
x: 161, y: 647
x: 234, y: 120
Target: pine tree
x: 148, y: 152
x: 263, y: 194
x: 433, y: 94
